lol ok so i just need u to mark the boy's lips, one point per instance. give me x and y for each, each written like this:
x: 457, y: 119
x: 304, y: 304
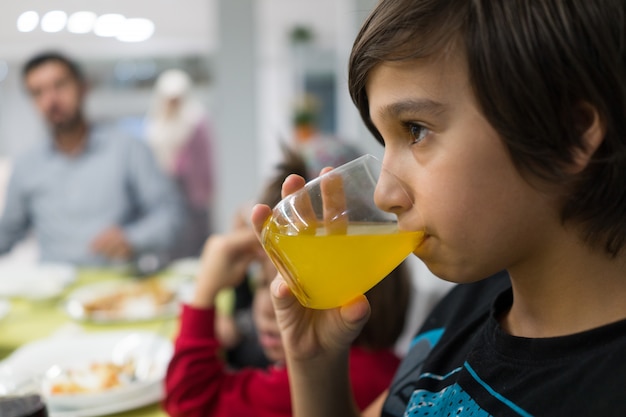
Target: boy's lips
x: 420, y: 246
x: 411, y: 230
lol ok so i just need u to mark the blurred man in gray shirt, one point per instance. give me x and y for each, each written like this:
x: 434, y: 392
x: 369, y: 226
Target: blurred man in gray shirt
x: 91, y: 196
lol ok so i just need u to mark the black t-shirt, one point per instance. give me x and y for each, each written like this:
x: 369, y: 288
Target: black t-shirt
x: 463, y: 364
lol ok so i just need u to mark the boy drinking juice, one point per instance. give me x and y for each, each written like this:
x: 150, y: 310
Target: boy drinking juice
x: 506, y: 121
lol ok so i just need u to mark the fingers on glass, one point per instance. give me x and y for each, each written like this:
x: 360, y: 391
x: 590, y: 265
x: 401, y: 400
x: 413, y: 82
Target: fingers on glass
x: 334, y: 205
x: 304, y: 219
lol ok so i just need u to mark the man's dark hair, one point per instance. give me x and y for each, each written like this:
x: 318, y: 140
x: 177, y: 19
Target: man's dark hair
x: 53, y: 56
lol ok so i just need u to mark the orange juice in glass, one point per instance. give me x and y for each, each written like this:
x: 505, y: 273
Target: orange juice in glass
x: 329, y: 240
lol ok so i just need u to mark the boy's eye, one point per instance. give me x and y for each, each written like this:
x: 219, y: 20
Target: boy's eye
x: 417, y: 132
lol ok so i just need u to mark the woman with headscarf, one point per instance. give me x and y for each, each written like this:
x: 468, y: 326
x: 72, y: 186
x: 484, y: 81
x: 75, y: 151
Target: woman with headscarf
x: 177, y: 130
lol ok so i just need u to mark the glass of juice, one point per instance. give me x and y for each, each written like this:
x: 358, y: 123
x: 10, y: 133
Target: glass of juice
x: 331, y: 242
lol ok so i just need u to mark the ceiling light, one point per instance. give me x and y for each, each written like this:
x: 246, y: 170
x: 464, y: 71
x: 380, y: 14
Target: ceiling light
x: 81, y: 22
x: 108, y: 25
x: 53, y: 21
x: 135, y: 30
x: 28, y: 21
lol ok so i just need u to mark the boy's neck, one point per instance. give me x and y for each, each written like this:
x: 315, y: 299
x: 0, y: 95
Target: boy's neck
x: 570, y: 290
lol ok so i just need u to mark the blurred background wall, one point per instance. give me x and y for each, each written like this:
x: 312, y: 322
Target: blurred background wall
x: 251, y: 60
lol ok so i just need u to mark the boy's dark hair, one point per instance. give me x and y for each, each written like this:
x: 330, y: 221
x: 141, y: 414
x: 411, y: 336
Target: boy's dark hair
x: 532, y: 64
x: 53, y: 56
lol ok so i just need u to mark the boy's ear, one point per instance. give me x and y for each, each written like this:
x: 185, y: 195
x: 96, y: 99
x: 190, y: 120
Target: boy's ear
x: 592, y: 129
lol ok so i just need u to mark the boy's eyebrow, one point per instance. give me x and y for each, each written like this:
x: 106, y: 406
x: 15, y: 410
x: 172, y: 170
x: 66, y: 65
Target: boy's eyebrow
x: 411, y: 106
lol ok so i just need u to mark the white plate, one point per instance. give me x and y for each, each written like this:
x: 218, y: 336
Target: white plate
x: 35, y: 281
x: 36, y: 358
x: 151, y: 396
x: 129, y: 301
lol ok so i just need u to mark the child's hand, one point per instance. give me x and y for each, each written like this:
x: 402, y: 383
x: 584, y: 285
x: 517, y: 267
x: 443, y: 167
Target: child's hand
x: 311, y: 334
x: 225, y: 259
x: 316, y: 334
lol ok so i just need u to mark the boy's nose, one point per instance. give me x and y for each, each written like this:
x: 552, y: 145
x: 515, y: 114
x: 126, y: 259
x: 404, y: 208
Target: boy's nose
x: 390, y: 194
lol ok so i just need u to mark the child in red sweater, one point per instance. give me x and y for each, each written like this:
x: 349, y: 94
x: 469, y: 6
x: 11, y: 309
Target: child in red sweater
x: 199, y: 383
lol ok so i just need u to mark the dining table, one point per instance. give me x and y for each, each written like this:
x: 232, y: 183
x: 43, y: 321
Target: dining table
x: 30, y: 320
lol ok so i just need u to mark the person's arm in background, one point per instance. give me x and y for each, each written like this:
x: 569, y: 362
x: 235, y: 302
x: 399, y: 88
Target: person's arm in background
x: 158, y: 201
x: 15, y: 221
x: 197, y: 383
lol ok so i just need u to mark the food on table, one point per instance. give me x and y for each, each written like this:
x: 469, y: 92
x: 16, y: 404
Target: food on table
x: 143, y: 298
x: 96, y: 377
